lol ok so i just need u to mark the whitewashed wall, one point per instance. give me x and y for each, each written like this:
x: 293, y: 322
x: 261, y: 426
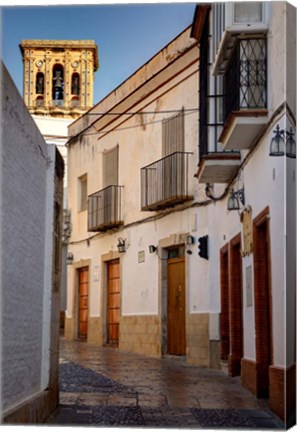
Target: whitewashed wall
x: 140, y: 143
x: 54, y: 131
x: 25, y: 171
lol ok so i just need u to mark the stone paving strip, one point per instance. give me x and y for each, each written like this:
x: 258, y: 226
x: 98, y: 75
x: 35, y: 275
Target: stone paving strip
x: 89, y: 398
x: 104, y: 387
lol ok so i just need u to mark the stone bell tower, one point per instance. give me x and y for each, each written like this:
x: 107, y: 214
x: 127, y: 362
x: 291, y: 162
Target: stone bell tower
x: 59, y: 76
x: 58, y: 87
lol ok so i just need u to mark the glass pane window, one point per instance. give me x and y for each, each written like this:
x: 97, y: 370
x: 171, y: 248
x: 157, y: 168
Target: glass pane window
x: 246, y: 12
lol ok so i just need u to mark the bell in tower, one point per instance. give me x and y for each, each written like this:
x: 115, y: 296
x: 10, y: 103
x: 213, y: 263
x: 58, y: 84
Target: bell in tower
x: 58, y: 83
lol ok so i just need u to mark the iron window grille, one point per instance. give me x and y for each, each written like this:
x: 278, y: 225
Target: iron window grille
x: 245, y: 83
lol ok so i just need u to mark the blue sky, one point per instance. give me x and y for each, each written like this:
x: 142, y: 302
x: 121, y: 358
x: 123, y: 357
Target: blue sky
x: 127, y: 35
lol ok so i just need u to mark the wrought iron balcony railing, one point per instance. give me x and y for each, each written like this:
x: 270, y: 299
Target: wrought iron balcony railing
x: 164, y: 183
x: 245, y: 84
x: 104, y: 209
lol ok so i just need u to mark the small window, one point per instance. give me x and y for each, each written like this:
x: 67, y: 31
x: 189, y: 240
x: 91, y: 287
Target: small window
x: 75, y: 84
x: 176, y: 252
x: 247, y: 12
x: 83, y: 192
x: 40, y: 83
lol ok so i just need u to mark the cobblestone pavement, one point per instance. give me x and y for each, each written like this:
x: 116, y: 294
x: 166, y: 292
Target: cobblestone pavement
x: 105, y: 387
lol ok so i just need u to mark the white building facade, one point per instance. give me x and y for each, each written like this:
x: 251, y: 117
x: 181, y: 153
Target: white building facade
x: 136, y: 163
x: 160, y: 265
x: 246, y: 136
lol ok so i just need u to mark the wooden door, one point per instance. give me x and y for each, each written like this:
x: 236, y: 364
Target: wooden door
x: 83, y: 282
x: 263, y: 306
x: 176, y: 305
x: 224, y: 279
x: 113, y: 302
x: 235, y: 307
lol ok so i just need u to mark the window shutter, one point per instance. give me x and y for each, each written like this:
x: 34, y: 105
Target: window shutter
x: 111, y: 167
x: 173, y: 134
x: 83, y: 181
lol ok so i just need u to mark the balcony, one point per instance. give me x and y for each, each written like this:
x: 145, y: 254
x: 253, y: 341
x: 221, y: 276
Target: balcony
x: 245, y: 88
x: 164, y: 183
x: 218, y: 167
x: 104, y: 209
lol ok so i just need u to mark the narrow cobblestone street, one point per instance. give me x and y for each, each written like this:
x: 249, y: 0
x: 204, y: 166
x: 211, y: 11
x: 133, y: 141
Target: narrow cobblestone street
x: 105, y: 387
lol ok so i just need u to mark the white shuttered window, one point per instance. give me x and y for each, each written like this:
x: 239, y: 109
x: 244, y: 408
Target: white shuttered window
x: 111, y: 167
x: 173, y: 132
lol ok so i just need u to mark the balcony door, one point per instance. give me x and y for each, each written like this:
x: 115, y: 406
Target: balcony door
x: 173, y: 179
x: 176, y: 307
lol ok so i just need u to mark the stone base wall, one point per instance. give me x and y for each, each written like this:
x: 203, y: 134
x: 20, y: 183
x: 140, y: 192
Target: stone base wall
x: 282, y: 395
x: 214, y: 354
x: 249, y: 375
x: 141, y: 334
x: 198, y: 346
x: 277, y: 390
x: 282, y: 386
x: 33, y: 411
x: 69, y: 328
x: 95, y: 333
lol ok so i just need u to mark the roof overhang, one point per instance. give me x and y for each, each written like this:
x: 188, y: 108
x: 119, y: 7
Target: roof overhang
x: 199, y: 20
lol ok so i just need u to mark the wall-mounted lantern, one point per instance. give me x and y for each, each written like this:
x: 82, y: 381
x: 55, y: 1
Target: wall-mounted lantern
x: 190, y: 240
x: 121, y: 245
x: 283, y: 143
x: 235, y: 199
x: 152, y: 248
x: 69, y: 258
